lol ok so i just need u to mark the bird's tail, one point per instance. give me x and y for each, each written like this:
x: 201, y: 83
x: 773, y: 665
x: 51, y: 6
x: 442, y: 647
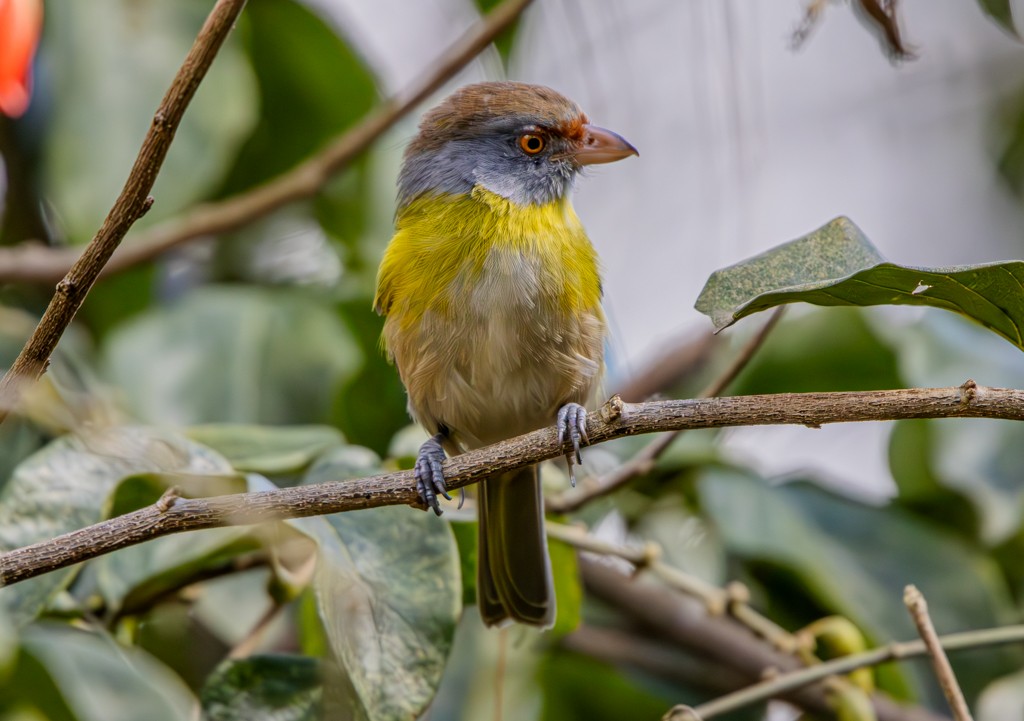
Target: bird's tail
x: 513, y: 569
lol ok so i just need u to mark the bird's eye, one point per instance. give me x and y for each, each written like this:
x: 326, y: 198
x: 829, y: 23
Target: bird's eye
x: 531, y: 144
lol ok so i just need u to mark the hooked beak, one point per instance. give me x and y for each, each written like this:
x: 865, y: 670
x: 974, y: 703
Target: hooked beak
x: 602, y: 146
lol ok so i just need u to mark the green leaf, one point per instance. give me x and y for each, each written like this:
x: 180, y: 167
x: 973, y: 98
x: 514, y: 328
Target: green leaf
x: 109, y: 63
x: 267, y: 449
x: 134, y: 576
x: 285, y: 688
x: 1002, y: 12
x: 977, y: 458
x: 855, y: 357
x: 855, y: 560
x: 97, y: 679
x: 837, y: 265
x: 311, y: 83
x: 231, y: 354
x: 66, y: 485
x: 578, y: 688
x: 388, y: 591
x: 565, y: 572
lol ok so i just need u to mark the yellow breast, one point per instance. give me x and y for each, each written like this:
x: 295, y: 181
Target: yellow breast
x: 443, y: 244
x: 494, y: 316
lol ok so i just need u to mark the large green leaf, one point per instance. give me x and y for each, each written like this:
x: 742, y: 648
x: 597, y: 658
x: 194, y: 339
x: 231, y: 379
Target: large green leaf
x: 578, y: 688
x: 855, y: 560
x: 388, y: 591
x: 974, y: 458
x: 109, y: 63
x: 855, y: 357
x: 267, y: 449
x: 837, y: 265
x: 284, y: 688
x: 233, y: 354
x: 66, y: 486
x: 133, y: 577
x: 1002, y: 12
x: 95, y: 678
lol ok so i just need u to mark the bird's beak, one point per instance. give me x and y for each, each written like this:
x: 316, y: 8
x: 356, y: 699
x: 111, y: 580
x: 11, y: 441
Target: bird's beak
x: 602, y: 146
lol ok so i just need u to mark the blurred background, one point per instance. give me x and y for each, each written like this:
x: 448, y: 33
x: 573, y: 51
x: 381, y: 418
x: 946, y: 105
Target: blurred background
x: 745, y: 141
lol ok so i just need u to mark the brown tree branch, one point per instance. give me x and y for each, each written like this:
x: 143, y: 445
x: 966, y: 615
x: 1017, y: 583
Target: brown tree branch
x: 34, y: 263
x: 780, y: 685
x: 131, y: 204
x: 671, y: 618
x: 615, y: 420
x: 918, y: 608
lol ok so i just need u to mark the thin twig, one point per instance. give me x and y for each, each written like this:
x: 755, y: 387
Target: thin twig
x: 131, y: 204
x: 661, y: 613
x: 34, y: 263
x: 785, y: 683
x: 647, y: 558
x: 643, y: 462
x: 918, y: 607
x: 615, y: 420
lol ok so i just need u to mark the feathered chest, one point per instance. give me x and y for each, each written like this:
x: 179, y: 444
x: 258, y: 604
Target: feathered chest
x: 482, y: 254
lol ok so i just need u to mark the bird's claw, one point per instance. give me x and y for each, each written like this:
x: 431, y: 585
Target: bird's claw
x: 430, y: 475
x: 572, y: 421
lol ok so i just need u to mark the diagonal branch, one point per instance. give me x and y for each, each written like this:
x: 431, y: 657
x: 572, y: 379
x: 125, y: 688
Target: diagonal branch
x: 131, y: 204
x: 660, y: 613
x: 32, y: 263
x: 615, y: 420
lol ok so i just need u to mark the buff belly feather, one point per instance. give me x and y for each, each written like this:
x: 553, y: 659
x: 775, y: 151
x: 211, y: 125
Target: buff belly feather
x: 509, y: 337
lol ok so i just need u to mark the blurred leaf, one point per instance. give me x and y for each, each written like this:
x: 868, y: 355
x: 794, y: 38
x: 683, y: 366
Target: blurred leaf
x: 837, y: 265
x: 1002, y: 12
x: 371, y: 407
x: 978, y: 458
x: 285, y: 688
x: 110, y: 63
x: 233, y: 354
x: 342, y: 463
x: 66, y: 485
x: 465, y: 533
x: 119, y: 297
x: 1003, y: 699
x: 135, y: 576
x: 577, y: 688
x: 922, y: 489
x: 568, y: 587
x: 97, y: 679
x: 387, y: 586
x: 855, y: 560
x: 854, y: 358
x: 686, y: 540
x: 267, y: 449
x: 311, y: 83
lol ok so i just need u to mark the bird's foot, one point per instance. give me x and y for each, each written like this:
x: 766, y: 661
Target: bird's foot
x: 572, y: 423
x: 429, y: 474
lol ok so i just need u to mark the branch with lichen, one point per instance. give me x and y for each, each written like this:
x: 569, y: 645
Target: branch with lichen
x: 615, y: 420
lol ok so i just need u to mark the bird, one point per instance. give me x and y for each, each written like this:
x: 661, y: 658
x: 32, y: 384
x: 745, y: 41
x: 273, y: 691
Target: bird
x: 491, y: 292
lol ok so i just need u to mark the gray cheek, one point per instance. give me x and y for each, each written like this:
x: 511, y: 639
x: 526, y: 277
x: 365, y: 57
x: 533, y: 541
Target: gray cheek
x: 460, y: 165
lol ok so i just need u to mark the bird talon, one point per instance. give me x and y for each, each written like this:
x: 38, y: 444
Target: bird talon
x: 572, y: 419
x: 429, y: 472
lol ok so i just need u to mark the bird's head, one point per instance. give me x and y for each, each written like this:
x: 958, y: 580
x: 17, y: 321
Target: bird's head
x: 523, y: 142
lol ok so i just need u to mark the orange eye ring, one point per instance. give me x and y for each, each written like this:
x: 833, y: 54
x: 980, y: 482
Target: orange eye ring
x: 531, y: 143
